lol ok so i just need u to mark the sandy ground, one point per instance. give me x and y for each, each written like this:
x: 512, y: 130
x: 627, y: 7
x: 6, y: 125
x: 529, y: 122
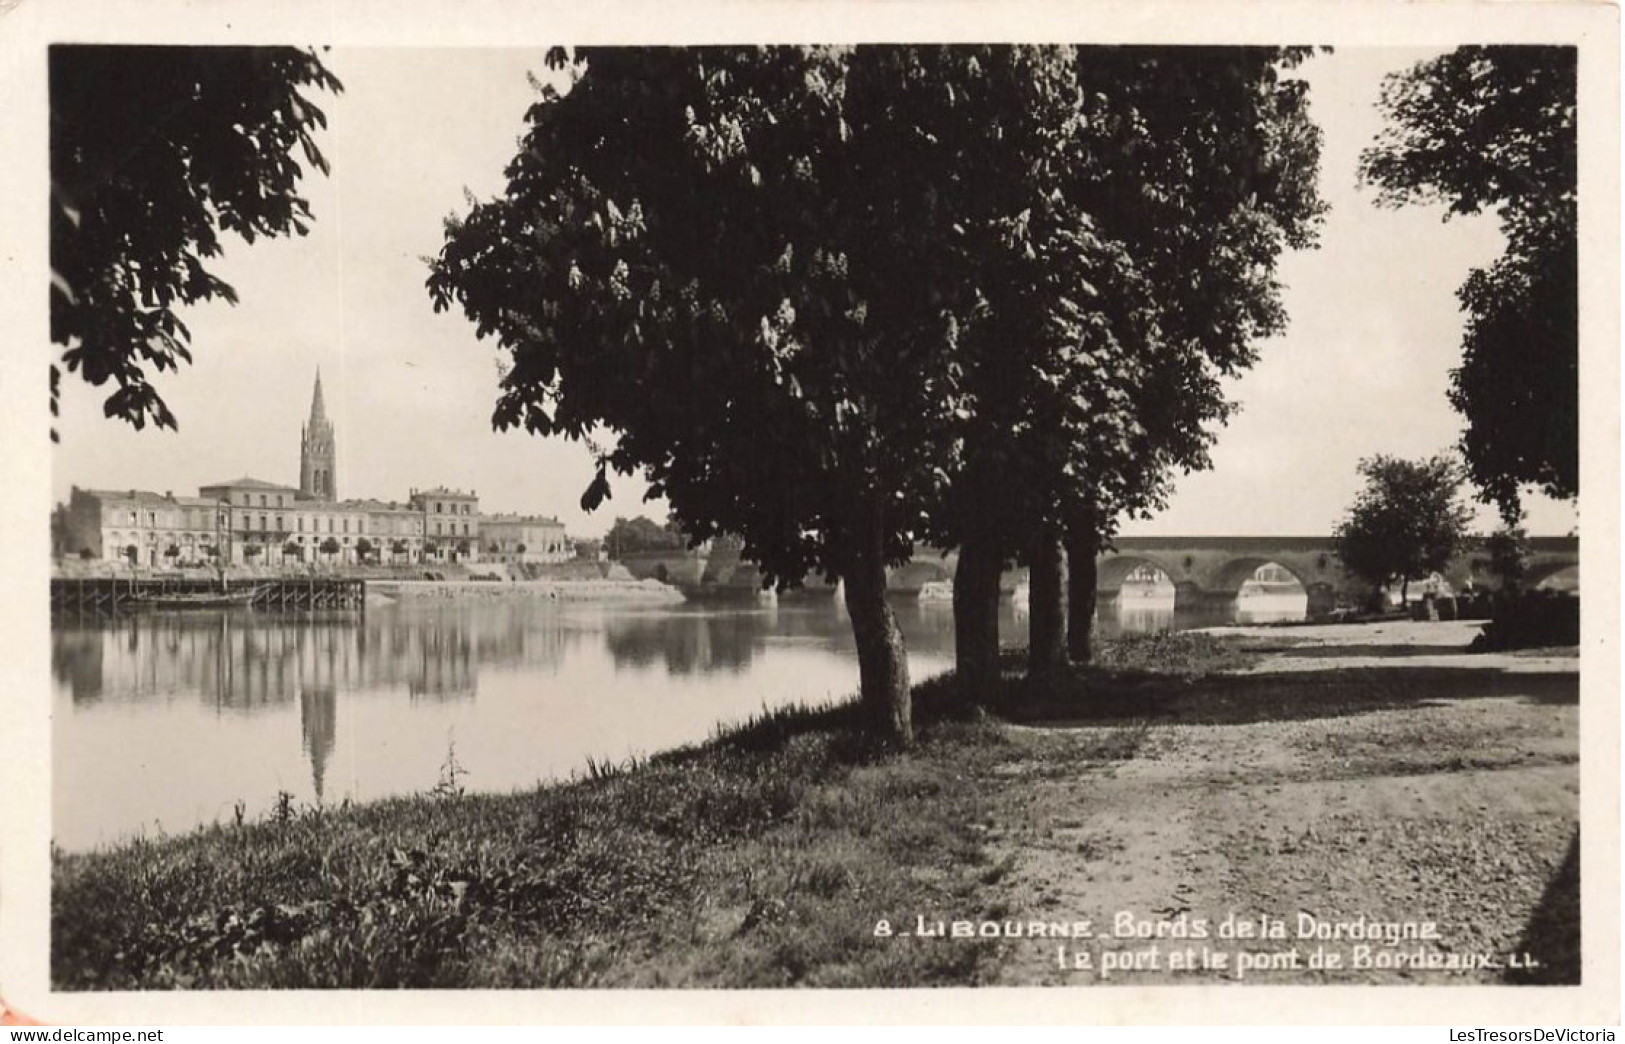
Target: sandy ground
x: 1449, y: 797
x: 1420, y: 644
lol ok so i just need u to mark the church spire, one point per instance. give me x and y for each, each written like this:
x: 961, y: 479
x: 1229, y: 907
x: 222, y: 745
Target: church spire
x: 318, y: 456
x: 318, y: 409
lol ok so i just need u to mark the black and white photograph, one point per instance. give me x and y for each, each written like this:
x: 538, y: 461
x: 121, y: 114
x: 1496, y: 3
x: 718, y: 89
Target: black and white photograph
x: 1053, y: 509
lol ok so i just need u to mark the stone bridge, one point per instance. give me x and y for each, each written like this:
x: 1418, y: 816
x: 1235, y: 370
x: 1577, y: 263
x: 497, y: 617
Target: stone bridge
x: 1207, y: 572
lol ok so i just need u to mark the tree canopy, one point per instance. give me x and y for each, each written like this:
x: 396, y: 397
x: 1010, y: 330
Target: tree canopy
x: 1407, y: 522
x: 156, y: 152
x: 809, y: 289
x: 1492, y: 129
x: 643, y: 534
x: 1127, y: 264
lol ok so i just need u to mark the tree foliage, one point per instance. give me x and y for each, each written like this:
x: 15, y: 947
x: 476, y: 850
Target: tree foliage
x: 1508, y: 549
x: 1127, y: 265
x: 825, y: 298
x: 156, y: 152
x: 726, y: 257
x: 1492, y: 129
x: 643, y: 534
x: 1407, y: 522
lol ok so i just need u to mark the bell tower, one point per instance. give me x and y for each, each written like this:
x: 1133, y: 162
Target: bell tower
x: 318, y: 457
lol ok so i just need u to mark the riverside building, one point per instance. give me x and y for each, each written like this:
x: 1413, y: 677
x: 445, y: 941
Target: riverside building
x: 517, y: 539
x: 249, y: 521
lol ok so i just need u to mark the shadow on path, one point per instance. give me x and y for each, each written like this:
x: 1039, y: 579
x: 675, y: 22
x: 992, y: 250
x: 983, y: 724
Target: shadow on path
x: 1397, y: 651
x: 1552, y: 935
x: 1228, y: 699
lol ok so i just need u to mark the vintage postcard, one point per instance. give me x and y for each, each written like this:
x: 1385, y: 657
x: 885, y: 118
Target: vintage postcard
x: 806, y: 512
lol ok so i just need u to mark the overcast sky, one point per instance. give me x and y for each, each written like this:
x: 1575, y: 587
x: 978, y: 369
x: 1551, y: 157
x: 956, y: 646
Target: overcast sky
x: 1363, y: 369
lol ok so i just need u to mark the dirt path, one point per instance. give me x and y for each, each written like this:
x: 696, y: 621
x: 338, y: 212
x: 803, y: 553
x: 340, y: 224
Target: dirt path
x: 1453, y: 800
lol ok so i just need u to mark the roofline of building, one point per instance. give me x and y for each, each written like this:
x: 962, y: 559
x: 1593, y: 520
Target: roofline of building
x: 250, y: 483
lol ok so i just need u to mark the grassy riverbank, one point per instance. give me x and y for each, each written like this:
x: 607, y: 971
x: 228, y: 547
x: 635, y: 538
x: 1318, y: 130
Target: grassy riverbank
x: 768, y: 857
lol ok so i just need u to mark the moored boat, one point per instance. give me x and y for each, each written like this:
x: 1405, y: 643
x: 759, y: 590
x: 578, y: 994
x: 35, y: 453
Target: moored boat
x: 193, y: 599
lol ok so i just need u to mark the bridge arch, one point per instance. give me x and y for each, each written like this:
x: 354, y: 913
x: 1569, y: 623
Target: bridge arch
x: 1116, y: 567
x: 1208, y: 580
x: 1230, y: 576
x: 1225, y: 583
x: 1539, y: 572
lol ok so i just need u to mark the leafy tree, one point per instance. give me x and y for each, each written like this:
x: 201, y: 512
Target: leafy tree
x: 1407, y: 522
x: 252, y: 551
x: 1125, y: 267
x: 155, y: 153
x: 644, y: 534
x: 363, y: 549
x: 397, y: 549
x: 736, y: 275
x: 820, y: 263
x: 1493, y: 129
x: 330, y: 547
x: 293, y: 549
x: 1508, y: 548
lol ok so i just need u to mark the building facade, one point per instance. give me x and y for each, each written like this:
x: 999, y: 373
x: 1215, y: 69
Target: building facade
x: 141, y: 528
x: 516, y: 539
x: 250, y: 521
x: 451, y: 523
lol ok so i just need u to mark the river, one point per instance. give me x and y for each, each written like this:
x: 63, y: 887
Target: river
x: 163, y: 721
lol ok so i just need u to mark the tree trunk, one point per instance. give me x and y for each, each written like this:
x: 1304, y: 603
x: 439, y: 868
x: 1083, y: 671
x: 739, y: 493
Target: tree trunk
x: 883, y: 689
x: 976, y: 621
x: 1082, y: 580
x: 1046, y: 605
x: 1405, y: 593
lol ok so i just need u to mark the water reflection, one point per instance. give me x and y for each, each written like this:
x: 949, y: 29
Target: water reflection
x: 239, y: 660
x: 175, y: 717
x: 318, y: 728
x: 685, y: 642
x: 1153, y: 615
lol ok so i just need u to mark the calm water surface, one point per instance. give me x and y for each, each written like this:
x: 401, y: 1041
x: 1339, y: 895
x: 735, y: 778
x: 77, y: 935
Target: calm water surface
x: 165, y: 721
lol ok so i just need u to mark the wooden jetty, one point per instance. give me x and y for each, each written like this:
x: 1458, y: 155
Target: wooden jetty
x: 110, y: 596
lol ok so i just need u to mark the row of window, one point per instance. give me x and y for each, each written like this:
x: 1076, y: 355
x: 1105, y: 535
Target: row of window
x: 246, y: 523
x: 202, y: 521
x: 456, y: 509
x: 248, y: 500
x: 543, y: 547
x: 201, y: 516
